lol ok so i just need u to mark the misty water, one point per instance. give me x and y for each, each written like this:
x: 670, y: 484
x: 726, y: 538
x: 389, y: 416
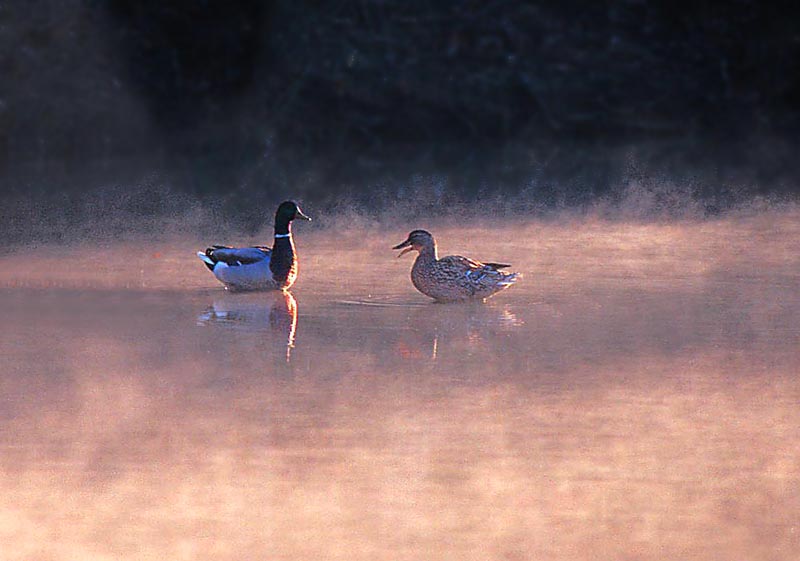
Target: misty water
x: 635, y: 396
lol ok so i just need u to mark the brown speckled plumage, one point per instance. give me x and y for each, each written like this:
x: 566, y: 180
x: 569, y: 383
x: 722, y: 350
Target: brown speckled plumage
x: 453, y: 277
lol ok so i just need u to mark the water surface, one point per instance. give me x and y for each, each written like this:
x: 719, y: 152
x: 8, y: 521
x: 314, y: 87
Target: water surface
x: 635, y: 396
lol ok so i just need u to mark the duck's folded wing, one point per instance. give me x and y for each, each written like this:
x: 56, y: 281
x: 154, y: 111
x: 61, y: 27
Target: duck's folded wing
x: 473, y: 270
x: 459, y: 265
x: 496, y: 266
x: 458, y: 261
x: 238, y: 255
x: 467, y: 264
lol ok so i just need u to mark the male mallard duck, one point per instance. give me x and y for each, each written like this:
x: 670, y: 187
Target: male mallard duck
x: 259, y: 267
x: 453, y: 277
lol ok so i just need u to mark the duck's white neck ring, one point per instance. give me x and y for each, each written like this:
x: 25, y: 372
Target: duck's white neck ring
x: 283, y: 235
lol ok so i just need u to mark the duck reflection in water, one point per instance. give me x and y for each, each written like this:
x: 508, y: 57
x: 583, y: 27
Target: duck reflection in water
x: 460, y: 328
x: 255, y: 312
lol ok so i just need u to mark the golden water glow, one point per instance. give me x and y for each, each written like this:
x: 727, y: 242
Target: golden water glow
x: 635, y: 396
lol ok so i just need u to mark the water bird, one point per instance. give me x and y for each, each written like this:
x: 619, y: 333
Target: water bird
x: 259, y: 267
x: 454, y: 277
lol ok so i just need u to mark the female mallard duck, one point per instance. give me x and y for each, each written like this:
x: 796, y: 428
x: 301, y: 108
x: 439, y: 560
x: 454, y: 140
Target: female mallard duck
x: 259, y: 267
x: 453, y: 277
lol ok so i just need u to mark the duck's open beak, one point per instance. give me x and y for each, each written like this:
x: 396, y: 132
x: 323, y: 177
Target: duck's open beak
x: 407, y: 245
x: 299, y: 214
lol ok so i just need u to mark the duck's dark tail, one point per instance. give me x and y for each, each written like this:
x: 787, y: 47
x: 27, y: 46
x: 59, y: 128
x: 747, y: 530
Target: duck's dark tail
x: 209, y: 262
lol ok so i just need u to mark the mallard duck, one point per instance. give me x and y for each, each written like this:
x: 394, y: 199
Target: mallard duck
x: 259, y: 267
x: 453, y: 277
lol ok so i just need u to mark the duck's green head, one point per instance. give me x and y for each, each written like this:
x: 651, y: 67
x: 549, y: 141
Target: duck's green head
x: 288, y: 211
x: 416, y: 240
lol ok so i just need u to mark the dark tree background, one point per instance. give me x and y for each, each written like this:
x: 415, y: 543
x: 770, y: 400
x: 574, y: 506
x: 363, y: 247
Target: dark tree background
x: 252, y: 100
